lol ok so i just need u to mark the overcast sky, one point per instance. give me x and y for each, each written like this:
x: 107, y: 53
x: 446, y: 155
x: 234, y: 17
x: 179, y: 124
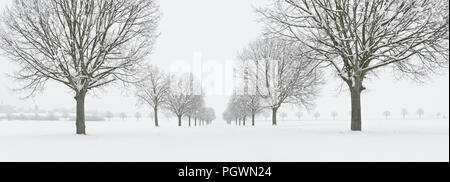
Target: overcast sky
x: 213, y: 32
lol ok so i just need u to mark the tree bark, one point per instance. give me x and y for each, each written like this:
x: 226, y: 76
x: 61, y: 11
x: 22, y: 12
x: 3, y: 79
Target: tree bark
x: 179, y: 120
x: 274, y: 116
x: 253, y: 119
x: 356, y: 123
x: 80, y: 120
x: 155, y: 112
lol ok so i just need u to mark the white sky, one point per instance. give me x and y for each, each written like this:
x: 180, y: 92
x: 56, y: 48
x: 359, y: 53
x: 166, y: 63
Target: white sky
x: 217, y: 30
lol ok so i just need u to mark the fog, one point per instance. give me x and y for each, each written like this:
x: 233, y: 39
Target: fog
x: 213, y: 32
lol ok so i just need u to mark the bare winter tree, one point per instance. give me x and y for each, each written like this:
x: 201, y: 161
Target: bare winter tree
x: 250, y: 105
x: 198, y: 99
x: 355, y: 38
x: 196, y: 108
x: 227, y: 116
x: 253, y: 104
x: 404, y: 113
x: 82, y: 44
x: 317, y: 115
x: 282, y: 72
x: 386, y: 114
x: 438, y: 115
x: 137, y: 115
x: 109, y: 115
x: 123, y: 116
x: 208, y: 115
x: 240, y: 109
x: 237, y: 108
x: 181, y: 97
x: 299, y: 115
x: 153, y: 90
x: 420, y: 112
x: 334, y: 114
x: 251, y: 100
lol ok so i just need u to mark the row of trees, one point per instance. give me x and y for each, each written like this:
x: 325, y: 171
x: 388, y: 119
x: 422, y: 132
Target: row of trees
x: 228, y: 115
x: 353, y: 38
x: 273, y: 72
x: 180, y: 95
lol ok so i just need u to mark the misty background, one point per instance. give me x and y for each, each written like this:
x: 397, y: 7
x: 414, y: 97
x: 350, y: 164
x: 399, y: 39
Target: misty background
x: 218, y: 30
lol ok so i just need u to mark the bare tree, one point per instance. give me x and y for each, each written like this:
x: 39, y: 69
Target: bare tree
x: 137, y: 115
x: 386, y: 114
x: 227, y: 116
x: 438, y: 115
x: 109, y: 115
x: 123, y: 116
x: 153, y: 90
x: 299, y: 115
x: 180, y: 97
x: 253, y: 103
x: 251, y: 100
x: 404, y: 113
x: 81, y: 44
x: 317, y: 115
x: 237, y: 108
x: 207, y: 115
x: 420, y: 112
x: 334, y: 114
x: 357, y: 38
x: 282, y: 73
x: 196, y: 108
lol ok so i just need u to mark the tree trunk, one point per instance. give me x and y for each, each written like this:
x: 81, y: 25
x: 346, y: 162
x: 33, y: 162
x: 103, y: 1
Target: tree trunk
x: 179, y: 120
x: 243, y: 120
x: 356, y: 124
x: 189, y: 118
x: 274, y: 116
x: 155, y: 112
x: 236, y: 121
x: 253, y: 119
x: 195, y: 121
x: 80, y: 121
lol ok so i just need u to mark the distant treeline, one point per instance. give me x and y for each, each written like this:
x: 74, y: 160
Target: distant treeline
x: 47, y: 117
x: 10, y: 113
x: 12, y: 109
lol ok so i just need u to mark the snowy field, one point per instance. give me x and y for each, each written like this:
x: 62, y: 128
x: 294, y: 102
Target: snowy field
x: 388, y: 140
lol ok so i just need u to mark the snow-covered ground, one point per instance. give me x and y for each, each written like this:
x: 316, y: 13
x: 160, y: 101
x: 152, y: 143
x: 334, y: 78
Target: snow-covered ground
x: 387, y: 140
